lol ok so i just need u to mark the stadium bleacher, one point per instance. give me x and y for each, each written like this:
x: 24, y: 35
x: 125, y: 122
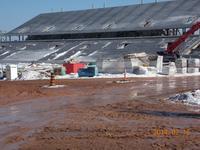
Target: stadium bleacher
x: 179, y: 14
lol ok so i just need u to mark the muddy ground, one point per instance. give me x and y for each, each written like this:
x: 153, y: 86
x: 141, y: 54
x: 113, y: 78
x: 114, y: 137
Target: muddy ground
x: 98, y: 114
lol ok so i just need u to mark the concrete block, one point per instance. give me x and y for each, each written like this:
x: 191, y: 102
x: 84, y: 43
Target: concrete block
x: 182, y: 70
x: 130, y: 63
x: 1, y: 74
x: 181, y: 63
x: 193, y: 70
x: 1, y: 71
x: 169, y: 69
x: 111, y: 66
x: 11, y: 72
x: 159, y: 65
x: 135, y: 59
x: 193, y: 63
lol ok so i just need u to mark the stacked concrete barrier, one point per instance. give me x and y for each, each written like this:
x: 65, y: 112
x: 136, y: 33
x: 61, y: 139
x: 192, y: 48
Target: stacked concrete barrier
x: 159, y: 64
x: 135, y: 60
x: 193, y: 65
x: 181, y: 65
x: 169, y: 69
x: 11, y: 72
x: 111, y: 66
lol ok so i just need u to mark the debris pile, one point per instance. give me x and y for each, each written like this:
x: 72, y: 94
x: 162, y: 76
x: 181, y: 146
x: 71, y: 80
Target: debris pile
x: 34, y: 71
x: 132, y: 65
x: 190, y: 98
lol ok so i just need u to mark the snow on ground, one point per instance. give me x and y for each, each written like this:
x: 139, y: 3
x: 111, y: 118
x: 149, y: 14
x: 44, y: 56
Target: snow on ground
x: 189, y: 98
x: 33, y: 75
x: 128, y: 75
x: 106, y: 45
x: 40, y: 71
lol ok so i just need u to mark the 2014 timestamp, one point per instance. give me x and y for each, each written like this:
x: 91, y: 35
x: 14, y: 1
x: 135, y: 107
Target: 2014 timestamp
x: 171, y: 132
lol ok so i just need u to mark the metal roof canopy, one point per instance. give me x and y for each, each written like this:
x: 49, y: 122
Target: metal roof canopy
x: 162, y: 15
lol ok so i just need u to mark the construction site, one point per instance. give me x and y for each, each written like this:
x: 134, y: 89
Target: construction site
x: 125, y: 77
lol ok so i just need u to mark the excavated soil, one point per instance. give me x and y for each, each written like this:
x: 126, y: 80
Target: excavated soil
x: 98, y: 114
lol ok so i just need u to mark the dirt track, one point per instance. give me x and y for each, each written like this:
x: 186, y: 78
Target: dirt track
x: 98, y: 114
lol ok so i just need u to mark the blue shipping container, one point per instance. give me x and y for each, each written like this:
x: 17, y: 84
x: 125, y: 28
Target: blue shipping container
x: 90, y: 71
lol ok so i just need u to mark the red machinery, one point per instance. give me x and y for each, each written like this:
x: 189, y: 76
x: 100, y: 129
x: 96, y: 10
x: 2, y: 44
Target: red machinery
x: 172, y: 47
x: 73, y: 67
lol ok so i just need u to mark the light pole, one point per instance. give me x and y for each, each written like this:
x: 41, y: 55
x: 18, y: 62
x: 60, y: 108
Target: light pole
x: 104, y: 5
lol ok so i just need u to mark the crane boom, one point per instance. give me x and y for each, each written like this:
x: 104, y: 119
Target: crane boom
x: 171, y: 47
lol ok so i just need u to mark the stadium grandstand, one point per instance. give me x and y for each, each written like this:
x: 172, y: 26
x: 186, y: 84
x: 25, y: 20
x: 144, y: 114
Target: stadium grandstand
x: 104, y: 33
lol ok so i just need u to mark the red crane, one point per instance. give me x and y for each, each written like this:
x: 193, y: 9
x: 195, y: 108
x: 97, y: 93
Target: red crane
x: 172, y: 46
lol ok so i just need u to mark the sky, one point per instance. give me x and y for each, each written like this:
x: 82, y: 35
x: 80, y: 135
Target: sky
x: 16, y: 12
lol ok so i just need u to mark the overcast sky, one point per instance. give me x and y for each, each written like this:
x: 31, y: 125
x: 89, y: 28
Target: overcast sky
x: 15, y: 12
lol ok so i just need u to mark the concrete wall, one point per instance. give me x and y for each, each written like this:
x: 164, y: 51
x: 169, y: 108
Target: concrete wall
x: 111, y: 66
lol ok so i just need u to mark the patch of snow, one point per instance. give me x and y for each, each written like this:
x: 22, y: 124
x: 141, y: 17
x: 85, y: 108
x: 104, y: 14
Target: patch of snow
x: 31, y: 44
x: 75, y: 55
x: 93, y: 53
x: 189, y: 98
x: 54, y: 87
x: 23, y: 30
x: 84, y: 47
x: 23, y: 48
x: 187, y: 74
x: 48, y: 54
x: 128, y: 75
x: 186, y: 19
x: 123, y: 45
x: 68, y: 76
x: 48, y: 28
x: 107, y: 44
x: 52, y: 48
x: 31, y: 75
x: 11, y: 55
x: 5, y: 53
x: 175, y: 18
x: 65, y: 52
